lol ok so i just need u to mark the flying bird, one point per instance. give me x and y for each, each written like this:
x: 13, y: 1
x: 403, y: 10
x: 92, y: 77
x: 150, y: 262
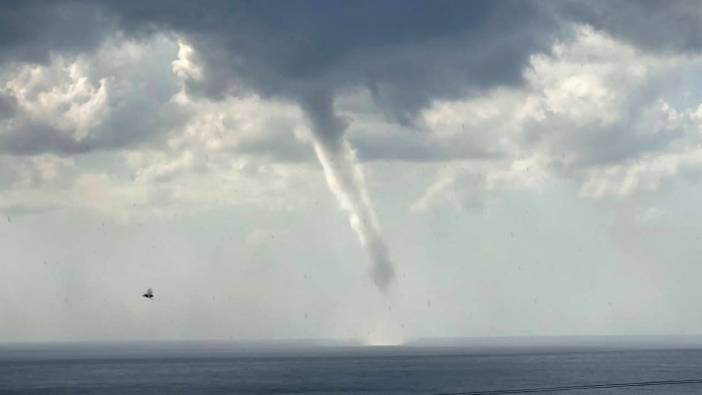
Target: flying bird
x: 149, y: 294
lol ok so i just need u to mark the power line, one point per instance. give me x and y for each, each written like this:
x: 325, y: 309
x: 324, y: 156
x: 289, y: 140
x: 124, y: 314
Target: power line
x: 577, y: 387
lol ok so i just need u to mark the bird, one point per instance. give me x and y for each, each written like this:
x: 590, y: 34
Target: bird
x: 149, y: 294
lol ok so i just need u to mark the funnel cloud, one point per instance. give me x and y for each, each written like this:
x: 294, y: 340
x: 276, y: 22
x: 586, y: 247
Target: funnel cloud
x: 344, y: 176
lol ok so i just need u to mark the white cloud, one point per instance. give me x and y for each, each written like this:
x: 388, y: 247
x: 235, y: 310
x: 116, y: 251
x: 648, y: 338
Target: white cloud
x: 186, y: 66
x: 644, y: 174
x: 594, y: 110
x: 117, y: 97
x: 471, y: 184
x: 243, y: 150
x: 59, y: 95
x: 42, y: 170
x: 227, y: 154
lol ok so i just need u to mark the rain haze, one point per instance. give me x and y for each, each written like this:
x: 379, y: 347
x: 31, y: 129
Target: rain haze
x: 368, y: 171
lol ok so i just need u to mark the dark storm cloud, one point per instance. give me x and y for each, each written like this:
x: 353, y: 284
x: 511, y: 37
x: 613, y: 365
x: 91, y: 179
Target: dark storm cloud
x: 416, y: 146
x: 406, y: 53
x: 672, y: 26
x: 8, y: 105
x: 31, y: 30
x: 597, y: 145
x: 36, y: 138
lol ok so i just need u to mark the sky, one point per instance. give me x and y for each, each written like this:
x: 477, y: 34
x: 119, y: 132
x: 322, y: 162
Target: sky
x: 370, y: 170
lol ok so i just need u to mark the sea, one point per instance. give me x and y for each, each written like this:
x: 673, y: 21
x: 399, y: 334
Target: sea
x: 612, y: 365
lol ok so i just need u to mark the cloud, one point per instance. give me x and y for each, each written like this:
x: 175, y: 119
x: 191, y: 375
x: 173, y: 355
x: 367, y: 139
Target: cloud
x: 589, y: 94
x: 601, y: 98
x: 448, y: 51
x: 471, y: 185
x: 117, y: 97
x: 647, y: 174
x: 31, y: 31
x: 594, y: 110
x: 150, y: 148
x: 677, y: 27
x: 54, y: 183
x: 289, y: 50
x: 240, y: 151
x: 36, y: 172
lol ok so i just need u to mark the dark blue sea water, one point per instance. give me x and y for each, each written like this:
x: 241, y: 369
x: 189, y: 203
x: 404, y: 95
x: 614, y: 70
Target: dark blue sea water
x: 193, y: 368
